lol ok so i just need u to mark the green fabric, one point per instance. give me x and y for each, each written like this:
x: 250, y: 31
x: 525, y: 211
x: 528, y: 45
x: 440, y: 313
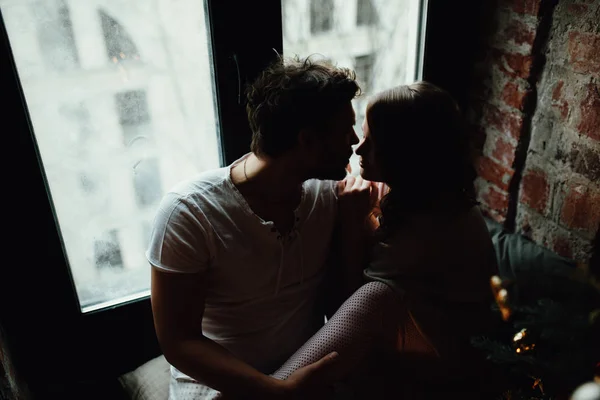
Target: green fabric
x: 516, y: 254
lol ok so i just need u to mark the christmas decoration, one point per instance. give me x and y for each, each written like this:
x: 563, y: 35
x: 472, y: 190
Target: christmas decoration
x: 548, y: 334
x: 587, y: 391
x: 522, y: 342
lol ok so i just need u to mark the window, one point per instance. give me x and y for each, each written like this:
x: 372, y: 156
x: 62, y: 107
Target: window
x: 77, y: 114
x: 384, y: 55
x: 321, y: 16
x: 147, y: 182
x: 114, y: 134
x: 134, y: 117
x: 107, y: 251
x: 119, y: 45
x: 365, y: 13
x: 132, y: 107
x: 87, y: 184
x: 363, y: 66
x: 55, y: 27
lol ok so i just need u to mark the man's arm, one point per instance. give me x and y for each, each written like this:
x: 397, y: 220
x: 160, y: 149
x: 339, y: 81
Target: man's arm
x: 178, y: 307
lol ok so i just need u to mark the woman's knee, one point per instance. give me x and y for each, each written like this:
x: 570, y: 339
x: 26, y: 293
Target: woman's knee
x: 377, y: 293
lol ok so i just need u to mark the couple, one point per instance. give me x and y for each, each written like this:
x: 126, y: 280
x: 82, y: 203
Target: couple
x: 248, y: 259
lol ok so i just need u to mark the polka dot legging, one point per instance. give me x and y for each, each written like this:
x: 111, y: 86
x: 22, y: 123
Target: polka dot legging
x: 372, y: 316
x: 367, y: 319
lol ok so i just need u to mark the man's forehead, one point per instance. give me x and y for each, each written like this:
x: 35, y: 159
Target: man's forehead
x: 347, y: 111
x: 344, y: 115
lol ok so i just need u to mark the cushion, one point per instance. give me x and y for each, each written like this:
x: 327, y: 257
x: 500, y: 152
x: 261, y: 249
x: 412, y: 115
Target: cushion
x: 149, y: 381
x: 516, y: 254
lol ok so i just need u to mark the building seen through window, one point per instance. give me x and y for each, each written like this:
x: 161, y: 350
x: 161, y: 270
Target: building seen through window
x: 321, y: 16
x: 365, y: 13
x: 376, y: 38
x: 121, y: 102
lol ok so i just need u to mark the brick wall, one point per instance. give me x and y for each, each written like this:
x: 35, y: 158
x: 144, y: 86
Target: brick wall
x: 534, y: 106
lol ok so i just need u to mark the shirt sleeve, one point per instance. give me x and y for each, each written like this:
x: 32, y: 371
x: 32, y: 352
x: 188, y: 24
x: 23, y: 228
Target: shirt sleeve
x: 180, y: 238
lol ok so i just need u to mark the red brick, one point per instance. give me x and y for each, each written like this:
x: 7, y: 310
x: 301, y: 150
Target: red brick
x: 535, y: 190
x: 513, y: 64
x: 530, y: 7
x: 562, y: 246
x: 589, y: 124
x: 519, y: 32
x: 584, y: 52
x: 504, y: 151
x: 493, y: 214
x: 505, y: 122
x: 557, y: 92
x: 493, y: 172
x: 558, y: 100
x: 513, y: 96
x: 581, y: 208
x: 585, y: 161
x: 578, y: 9
x: 564, y: 109
x: 495, y: 199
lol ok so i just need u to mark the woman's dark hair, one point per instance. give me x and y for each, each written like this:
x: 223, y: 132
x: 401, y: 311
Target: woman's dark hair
x: 293, y: 94
x: 422, y: 150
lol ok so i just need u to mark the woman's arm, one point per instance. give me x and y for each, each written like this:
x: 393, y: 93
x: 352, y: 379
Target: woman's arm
x: 354, y: 231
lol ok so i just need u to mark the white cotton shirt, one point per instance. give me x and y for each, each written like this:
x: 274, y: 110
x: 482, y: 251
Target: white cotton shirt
x: 262, y: 287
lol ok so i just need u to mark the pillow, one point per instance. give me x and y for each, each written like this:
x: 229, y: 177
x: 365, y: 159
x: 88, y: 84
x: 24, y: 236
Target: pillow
x: 149, y: 381
x: 517, y: 254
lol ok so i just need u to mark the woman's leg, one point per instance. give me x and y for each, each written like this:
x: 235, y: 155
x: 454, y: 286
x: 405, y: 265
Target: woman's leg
x: 369, y: 318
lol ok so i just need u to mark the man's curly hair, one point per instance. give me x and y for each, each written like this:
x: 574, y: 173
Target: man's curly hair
x: 294, y: 94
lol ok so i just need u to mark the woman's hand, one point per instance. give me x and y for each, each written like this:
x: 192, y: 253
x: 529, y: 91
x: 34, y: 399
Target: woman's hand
x: 359, y: 202
x: 354, y: 199
x: 378, y: 191
x: 313, y: 377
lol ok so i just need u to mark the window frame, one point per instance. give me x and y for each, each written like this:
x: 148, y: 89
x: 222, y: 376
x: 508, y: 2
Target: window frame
x: 56, y: 349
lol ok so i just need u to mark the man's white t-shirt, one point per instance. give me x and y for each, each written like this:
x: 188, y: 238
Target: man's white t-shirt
x: 261, y: 287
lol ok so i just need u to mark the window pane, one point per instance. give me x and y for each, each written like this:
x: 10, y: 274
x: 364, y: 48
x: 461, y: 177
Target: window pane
x: 376, y: 38
x: 321, y: 16
x: 121, y: 101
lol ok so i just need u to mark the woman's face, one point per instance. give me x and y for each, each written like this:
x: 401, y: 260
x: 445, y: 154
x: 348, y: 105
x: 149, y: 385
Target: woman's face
x: 369, y: 169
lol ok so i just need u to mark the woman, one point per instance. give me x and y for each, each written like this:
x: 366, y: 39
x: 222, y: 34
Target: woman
x: 427, y: 284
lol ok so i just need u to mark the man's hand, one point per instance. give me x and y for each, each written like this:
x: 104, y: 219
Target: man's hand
x: 315, y: 376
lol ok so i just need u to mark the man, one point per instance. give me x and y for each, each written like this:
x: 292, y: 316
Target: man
x: 239, y: 254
